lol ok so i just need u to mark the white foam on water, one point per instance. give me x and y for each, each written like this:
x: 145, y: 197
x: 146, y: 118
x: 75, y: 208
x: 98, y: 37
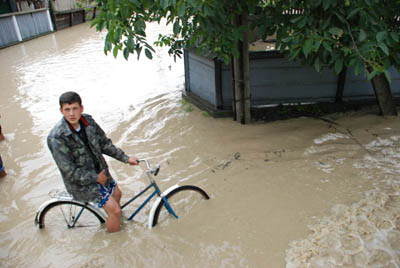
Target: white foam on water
x: 365, y: 233
x: 330, y: 137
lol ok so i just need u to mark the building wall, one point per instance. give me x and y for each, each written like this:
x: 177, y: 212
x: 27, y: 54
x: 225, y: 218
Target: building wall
x: 276, y: 80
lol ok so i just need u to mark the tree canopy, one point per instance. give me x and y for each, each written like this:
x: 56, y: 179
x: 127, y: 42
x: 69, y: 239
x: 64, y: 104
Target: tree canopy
x: 363, y: 34
x: 204, y: 24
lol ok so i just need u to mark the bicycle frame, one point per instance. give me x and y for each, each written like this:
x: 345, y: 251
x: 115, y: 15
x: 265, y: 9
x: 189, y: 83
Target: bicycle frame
x: 156, y: 191
x: 153, y: 184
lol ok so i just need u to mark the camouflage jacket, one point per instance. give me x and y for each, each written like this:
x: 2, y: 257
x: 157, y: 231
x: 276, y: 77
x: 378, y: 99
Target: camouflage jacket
x: 75, y: 161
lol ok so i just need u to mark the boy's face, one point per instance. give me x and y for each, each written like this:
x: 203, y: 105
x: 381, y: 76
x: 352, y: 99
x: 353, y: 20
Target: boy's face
x: 72, y: 113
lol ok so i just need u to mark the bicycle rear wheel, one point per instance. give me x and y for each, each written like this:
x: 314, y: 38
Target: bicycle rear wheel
x: 63, y: 214
x: 181, y: 200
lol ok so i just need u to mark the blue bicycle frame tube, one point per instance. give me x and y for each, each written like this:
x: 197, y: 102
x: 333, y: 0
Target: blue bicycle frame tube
x: 77, y: 218
x: 168, y: 207
x: 142, y: 205
x: 139, y: 194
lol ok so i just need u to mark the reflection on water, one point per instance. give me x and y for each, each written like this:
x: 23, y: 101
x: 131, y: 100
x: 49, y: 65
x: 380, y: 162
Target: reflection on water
x: 267, y: 182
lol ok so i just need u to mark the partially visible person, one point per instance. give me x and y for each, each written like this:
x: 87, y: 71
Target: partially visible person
x: 77, y: 144
x: 1, y: 133
x: 3, y: 172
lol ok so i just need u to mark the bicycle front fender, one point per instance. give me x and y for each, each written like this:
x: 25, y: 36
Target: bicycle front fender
x: 155, y: 204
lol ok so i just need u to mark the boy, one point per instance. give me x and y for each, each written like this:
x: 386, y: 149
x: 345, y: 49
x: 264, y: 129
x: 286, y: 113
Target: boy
x: 77, y: 144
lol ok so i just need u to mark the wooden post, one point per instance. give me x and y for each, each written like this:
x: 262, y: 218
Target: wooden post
x: 237, y: 68
x: 246, y: 72
x: 218, y: 83
x: 233, y: 90
x: 340, y: 85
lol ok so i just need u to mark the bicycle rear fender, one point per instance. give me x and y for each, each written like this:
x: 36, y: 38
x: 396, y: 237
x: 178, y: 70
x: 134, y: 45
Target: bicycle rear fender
x: 155, y: 204
x: 54, y: 200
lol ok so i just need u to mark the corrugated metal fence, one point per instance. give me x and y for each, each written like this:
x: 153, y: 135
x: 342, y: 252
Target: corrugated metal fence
x: 17, y: 27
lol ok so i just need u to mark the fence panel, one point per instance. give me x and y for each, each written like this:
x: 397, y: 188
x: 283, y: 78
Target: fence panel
x: 8, y: 34
x: 16, y: 27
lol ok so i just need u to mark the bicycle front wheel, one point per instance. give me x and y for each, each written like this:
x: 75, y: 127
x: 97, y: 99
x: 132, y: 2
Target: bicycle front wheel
x: 70, y: 214
x: 181, y: 200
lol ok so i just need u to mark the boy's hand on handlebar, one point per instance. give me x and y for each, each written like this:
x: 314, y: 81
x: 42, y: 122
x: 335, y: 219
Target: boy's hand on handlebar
x: 133, y: 161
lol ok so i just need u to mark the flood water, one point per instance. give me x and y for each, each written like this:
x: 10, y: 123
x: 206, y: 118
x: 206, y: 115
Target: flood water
x: 295, y: 193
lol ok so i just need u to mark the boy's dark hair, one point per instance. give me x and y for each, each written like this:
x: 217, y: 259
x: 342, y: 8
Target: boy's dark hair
x: 69, y: 98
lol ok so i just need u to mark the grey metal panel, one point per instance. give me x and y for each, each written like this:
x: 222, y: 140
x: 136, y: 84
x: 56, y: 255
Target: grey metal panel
x: 42, y: 22
x: 8, y: 34
x: 226, y: 84
x: 202, y: 77
x: 278, y: 80
x: 275, y: 80
x: 27, y: 25
x: 33, y: 24
x: 358, y: 87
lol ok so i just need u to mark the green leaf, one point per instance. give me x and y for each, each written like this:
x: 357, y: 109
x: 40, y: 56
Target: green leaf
x: 164, y: 4
x: 338, y: 65
x: 138, y: 51
x: 371, y: 75
x: 176, y: 27
x: 307, y: 47
x: 126, y: 53
x: 358, y: 67
x: 380, y: 36
x: 327, y: 46
x: 335, y: 31
x: 140, y: 25
x: 296, y: 19
x: 318, y: 65
x: 317, y: 44
x: 394, y: 36
x: 107, y: 44
x: 115, y: 51
x: 181, y: 8
x: 136, y: 3
x: 130, y: 44
x: 388, y: 77
x: 302, y: 22
x: 209, y: 12
x: 384, y: 48
x: 295, y: 54
x: 353, y: 12
x: 148, y: 53
x: 340, y: 17
x: 326, y: 4
x: 362, y: 36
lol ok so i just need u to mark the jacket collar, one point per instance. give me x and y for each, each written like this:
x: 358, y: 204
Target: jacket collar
x: 66, y: 127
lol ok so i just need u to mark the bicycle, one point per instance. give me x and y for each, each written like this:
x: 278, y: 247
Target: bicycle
x: 63, y: 209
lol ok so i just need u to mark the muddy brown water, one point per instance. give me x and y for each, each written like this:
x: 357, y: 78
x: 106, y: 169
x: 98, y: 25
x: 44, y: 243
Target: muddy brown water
x: 294, y: 193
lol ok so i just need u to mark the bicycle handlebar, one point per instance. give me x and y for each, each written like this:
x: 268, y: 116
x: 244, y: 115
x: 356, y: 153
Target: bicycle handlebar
x: 149, y: 169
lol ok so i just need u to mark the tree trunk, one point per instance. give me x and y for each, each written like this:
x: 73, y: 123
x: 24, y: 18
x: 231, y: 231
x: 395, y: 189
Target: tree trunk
x: 241, y: 75
x: 383, y: 95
